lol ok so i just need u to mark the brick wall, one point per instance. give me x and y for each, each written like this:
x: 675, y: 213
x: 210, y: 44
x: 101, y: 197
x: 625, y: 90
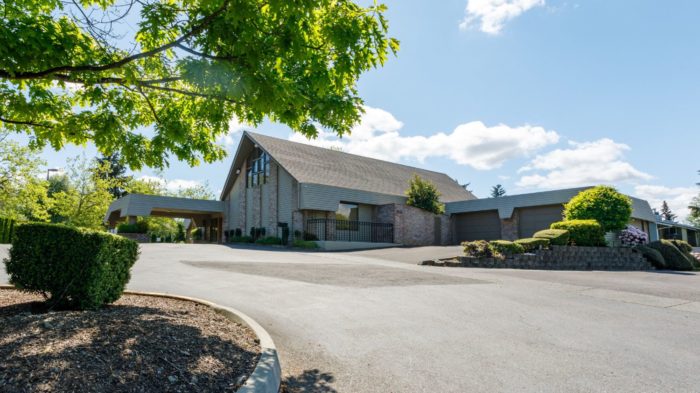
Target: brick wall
x: 509, y: 227
x: 413, y: 226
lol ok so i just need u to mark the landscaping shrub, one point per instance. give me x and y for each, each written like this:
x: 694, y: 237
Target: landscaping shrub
x: 556, y: 237
x: 154, y: 238
x: 505, y: 247
x: 238, y: 232
x: 241, y: 239
x: 604, y: 204
x: 139, y: 227
x: 478, y: 249
x: 533, y: 243
x: 632, y: 236
x: 269, y: 240
x: 310, y: 236
x: 298, y: 243
x: 7, y: 227
x: 257, y: 233
x: 77, y: 268
x: 582, y: 232
x: 652, y: 255
x: 682, y: 245
x: 675, y: 259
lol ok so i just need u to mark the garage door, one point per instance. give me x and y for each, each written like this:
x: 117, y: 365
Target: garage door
x: 477, y: 226
x: 533, y: 219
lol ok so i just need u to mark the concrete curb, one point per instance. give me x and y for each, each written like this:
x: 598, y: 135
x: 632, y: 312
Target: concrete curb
x: 266, y: 377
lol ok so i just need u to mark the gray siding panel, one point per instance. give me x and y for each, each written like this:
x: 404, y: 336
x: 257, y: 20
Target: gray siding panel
x: 477, y: 226
x: 320, y: 197
x: 285, y: 196
x: 249, y: 220
x: 533, y: 219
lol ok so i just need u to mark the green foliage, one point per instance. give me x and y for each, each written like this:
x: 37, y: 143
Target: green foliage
x: 115, y: 171
x: 241, y: 239
x: 138, y: 227
x: 694, y: 216
x: 603, y: 204
x: 477, y: 249
x: 556, y: 237
x: 257, y: 233
x: 505, y: 247
x: 675, y: 259
x: 682, y: 245
x: 23, y: 193
x: 582, y: 232
x: 652, y: 255
x: 306, y: 244
x: 7, y: 229
x: 183, y: 69
x: 424, y: 195
x: 77, y: 268
x: 533, y: 243
x: 666, y: 213
x: 269, y: 240
x: 308, y: 236
x: 180, y: 235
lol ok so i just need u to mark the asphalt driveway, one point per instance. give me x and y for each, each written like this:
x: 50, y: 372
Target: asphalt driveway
x: 373, y: 321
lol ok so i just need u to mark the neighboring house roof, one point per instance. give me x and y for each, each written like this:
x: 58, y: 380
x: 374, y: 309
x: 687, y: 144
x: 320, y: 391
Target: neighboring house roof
x: 507, y: 204
x: 316, y: 165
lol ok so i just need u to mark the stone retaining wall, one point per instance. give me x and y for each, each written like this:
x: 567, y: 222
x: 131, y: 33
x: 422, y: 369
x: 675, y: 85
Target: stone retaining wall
x: 559, y: 258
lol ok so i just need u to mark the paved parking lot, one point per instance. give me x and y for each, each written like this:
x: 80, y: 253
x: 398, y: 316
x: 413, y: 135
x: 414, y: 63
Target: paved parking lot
x: 373, y: 321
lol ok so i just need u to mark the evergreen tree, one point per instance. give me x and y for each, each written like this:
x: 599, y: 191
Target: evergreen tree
x: 497, y: 191
x: 666, y: 213
x: 116, y: 172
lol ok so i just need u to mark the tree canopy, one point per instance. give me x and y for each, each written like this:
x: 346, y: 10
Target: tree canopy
x: 497, y: 191
x: 152, y: 79
x: 666, y: 212
x: 424, y: 195
x: 602, y: 203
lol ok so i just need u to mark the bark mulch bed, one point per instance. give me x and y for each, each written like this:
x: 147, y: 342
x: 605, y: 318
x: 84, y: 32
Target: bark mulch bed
x: 139, y: 344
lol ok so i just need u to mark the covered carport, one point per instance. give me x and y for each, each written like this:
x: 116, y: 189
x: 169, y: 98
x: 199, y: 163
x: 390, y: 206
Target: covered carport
x: 206, y: 215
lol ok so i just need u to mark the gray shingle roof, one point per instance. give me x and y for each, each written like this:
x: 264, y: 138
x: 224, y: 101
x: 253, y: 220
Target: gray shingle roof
x: 506, y: 204
x: 317, y: 165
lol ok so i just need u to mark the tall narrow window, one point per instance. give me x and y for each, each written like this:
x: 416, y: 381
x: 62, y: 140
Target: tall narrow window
x: 258, y: 168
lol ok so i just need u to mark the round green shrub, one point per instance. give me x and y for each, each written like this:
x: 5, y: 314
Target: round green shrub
x: 556, y: 237
x: 477, y: 249
x: 652, y: 255
x: 582, y: 232
x: 603, y: 204
x: 682, y: 245
x: 675, y: 259
x: 533, y: 243
x: 79, y: 268
x: 505, y: 247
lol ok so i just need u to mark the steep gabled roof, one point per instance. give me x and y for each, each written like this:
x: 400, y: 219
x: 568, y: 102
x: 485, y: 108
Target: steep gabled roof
x: 317, y: 165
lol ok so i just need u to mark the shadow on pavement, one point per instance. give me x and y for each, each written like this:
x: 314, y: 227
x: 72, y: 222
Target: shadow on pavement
x: 310, y: 381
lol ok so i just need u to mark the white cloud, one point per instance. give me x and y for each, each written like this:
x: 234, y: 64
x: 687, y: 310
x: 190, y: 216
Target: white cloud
x: 473, y: 144
x: 173, y: 185
x: 490, y: 16
x: 678, y: 198
x: 235, y: 128
x: 587, y: 163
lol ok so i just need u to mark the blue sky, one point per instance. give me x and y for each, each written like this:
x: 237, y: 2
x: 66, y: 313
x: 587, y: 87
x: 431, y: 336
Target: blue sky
x: 531, y: 94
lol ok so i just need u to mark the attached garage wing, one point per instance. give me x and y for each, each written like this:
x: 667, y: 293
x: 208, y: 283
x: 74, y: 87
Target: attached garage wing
x: 477, y: 226
x: 537, y: 218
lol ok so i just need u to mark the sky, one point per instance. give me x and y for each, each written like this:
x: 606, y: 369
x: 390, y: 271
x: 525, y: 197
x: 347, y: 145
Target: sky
x: 530, y: 94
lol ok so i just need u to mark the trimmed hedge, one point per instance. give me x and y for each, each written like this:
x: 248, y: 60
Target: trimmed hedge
x: 533, y: 243
x: 241, y: 239
x: 652, y: 255
x: 556, y: 237
x: 78, y: 268
x: 602, y: 203
x: 505, y: 247
x: 478, y: 248
x: 139, y: 227
x: 582, y: 232
x: 675, y: 259
x: 7, y: 229
x: 269, y: 240
x: 308, y: 244
x: 682, y: 245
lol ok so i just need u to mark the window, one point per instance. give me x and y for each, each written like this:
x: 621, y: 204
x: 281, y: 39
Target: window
x: 258, y: 168
x: 346, y: 216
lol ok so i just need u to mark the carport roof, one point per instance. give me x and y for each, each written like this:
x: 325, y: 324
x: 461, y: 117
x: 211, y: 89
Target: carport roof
x: 507, y: 204
x: 144, y: 205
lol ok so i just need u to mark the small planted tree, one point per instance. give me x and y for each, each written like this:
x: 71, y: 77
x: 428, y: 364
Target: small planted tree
x: 602, y: 203
x: 424, y: 195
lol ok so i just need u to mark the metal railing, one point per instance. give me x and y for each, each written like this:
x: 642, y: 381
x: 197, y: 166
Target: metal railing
x: 329, y: 229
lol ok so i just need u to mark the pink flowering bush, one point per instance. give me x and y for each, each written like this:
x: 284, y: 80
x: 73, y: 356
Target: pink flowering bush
x: 633, y: 236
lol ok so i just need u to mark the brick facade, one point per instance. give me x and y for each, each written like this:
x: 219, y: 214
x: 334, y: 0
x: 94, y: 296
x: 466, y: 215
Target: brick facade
x: 510, y: 226
x: 414, y: 226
